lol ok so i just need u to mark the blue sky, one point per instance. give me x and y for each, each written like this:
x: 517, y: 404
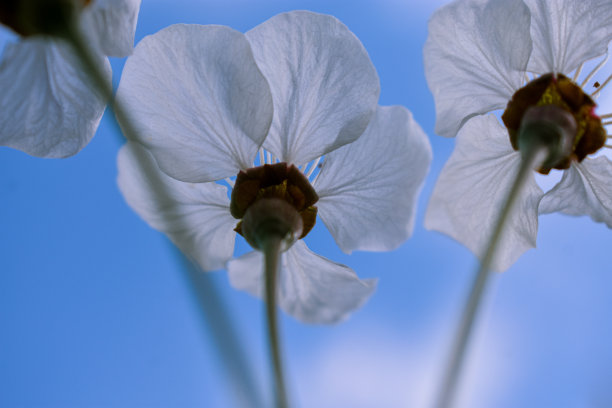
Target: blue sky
x: 95, y: 311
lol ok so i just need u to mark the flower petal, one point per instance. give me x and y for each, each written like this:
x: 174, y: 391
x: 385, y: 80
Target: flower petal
x: 195, y: 217
x: 475, y: 57
x: 585, y: 189
x: 368, y: 189
x: 312, y: 289
x: 324, y: 86
x: 474, y: 185
x: 48, y: 105
x: 566, y: 33
x: 199, y: 102
x: 114, y: 22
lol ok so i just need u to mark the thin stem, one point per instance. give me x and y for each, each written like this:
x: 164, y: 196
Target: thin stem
x: 271, y: 249
x: 203, y: 288
x: 531, y: 158
x: 222, y: 332
x: 97, y: 75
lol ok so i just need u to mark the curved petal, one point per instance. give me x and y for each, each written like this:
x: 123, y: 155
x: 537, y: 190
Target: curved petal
x: 472, y: 188
x: 199, y: 102
x: 585, y: 189
x: 312, y: 289
x: 48, y: 105
x: 475, y: 58
x: 566, y: 33
x: 195, y: 217
x: 324, y: 86
x: 114, y: 25
x: 368, y: 189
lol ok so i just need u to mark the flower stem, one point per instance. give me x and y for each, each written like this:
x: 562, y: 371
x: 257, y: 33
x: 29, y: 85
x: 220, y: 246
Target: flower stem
x: 271, y: 249
x: 218, y: 319
x: 74, y: 36
x: 204, y: 292
x: 531, y: 158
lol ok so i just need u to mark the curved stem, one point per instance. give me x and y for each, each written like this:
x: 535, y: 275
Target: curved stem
x: 532, y: 158
x: 271, y: 249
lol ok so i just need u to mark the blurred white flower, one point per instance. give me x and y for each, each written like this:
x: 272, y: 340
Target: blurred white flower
x: 207, y: 98
x: 479, y: 53
x: 50, y: 107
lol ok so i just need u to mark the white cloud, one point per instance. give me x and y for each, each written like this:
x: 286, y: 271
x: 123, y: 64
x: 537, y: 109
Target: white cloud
x: 379, y: 367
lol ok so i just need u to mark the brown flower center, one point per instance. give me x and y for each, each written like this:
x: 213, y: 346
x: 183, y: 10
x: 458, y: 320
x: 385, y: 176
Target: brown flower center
x: 274, y: 182
x: 32, y: 17
x: 558, y: 90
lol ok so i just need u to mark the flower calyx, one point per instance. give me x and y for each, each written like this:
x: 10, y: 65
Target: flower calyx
x: 273, y: 199
x: 556, y: 106
x: 40, y: 17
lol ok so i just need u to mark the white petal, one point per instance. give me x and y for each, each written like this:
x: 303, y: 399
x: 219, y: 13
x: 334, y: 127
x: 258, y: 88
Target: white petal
x: 200, y: 103
x: 475, y: 57
x: 324, y: 86
x: 195, y: 217
x: 48, y: 105
x: 368, y: 189
x: 114, y: 24
x: 585, y: 189
x: 566, y: 33
x: 312, y: 289
x: 474, y: 185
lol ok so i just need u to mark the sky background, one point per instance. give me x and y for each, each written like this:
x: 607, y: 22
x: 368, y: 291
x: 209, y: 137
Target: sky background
x: 95, y: 310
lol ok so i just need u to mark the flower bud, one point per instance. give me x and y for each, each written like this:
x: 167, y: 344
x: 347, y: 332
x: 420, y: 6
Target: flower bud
x: 560, y: 97
x: 271, y: 218
x: 552, y: 127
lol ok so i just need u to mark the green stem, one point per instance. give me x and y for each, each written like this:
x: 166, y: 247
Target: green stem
x: 531, y: 159
x: 203, y: 289
x: 271, y: 249
x: 225, y: 338
x: 92, y: 67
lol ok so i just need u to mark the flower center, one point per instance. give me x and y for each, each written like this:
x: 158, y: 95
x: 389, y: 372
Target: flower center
x: 560, y: 91
x: 269, y: 191
x: 31, y: 17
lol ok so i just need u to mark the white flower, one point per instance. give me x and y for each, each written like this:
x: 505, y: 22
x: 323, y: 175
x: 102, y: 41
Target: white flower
x: 478, y: 54
x: 50, y: 107
x: 207, y: 98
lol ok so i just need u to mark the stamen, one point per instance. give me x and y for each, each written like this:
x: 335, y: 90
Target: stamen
x: 527, y: 80
x: 230, y: 182
x: 608, y: 146
x: 274, y: 159
x: 595, y: 70
x: 268, y: 158
x: 262, y: 160
x: 315, y: 179
x: 606, y: 116
x: 602, y: 86
x: 577, y: 73
x: 607, y: 122
x: 314, y: 166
